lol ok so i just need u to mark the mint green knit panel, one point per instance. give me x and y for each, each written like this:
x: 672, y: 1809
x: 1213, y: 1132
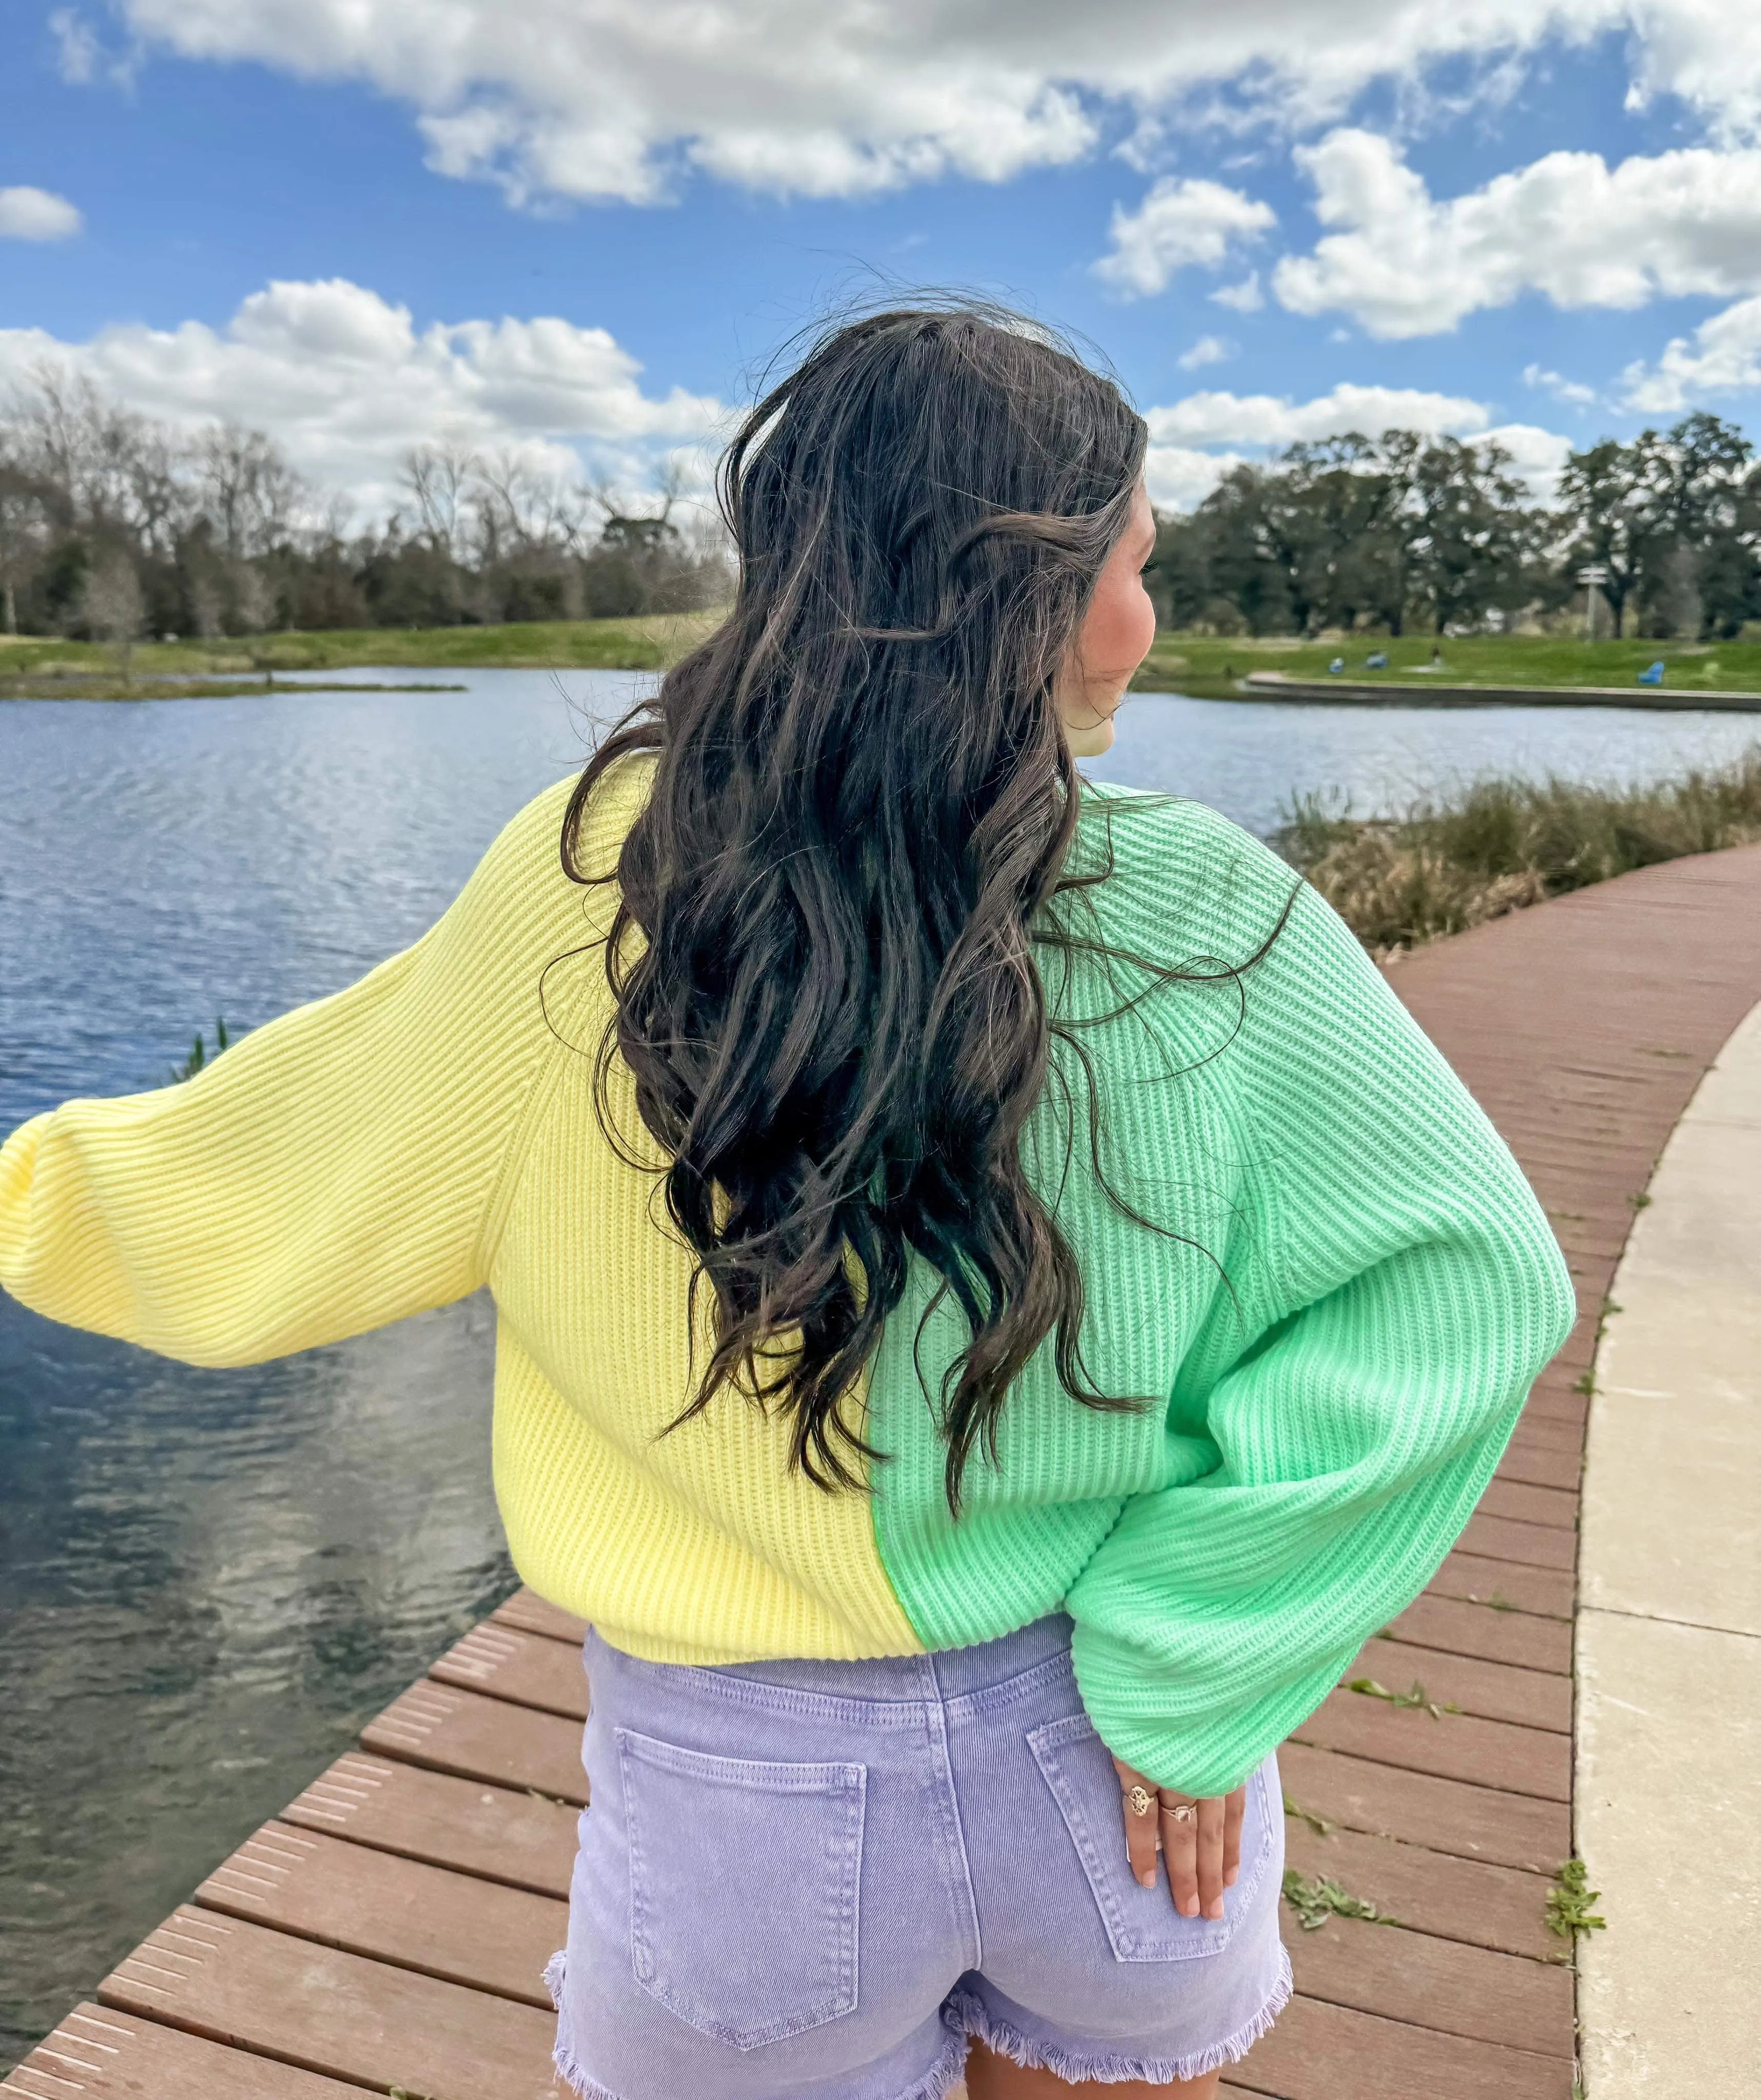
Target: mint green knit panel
x: 1352, y: 1290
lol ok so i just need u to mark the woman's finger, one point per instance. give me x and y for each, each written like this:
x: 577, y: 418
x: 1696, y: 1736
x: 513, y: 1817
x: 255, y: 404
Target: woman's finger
x: 1141, y: 1807
x: 1211, y: 1819
x: 1234, y: 1812
x: 1180, y: 1849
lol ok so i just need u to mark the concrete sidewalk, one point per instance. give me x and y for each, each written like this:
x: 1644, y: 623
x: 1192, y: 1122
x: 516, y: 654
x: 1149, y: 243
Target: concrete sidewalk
x: 1669, y: 1626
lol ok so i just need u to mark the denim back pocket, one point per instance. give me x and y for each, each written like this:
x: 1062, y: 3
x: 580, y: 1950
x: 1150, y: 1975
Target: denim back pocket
x: 1142, y: 1923
x: 744, y: 1886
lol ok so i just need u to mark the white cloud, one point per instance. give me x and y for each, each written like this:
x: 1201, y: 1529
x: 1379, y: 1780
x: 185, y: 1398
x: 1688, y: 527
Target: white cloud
x: 32, y: 215
x: 1536, y: 455
x: 347, y: 383
x: 1722, y: 356
x: 1194, y: 442
x: 1181, y: 477
x: 1272, y: 419
x: 76, y: 46
x: 613, y: 98
x: 1560, y: 388
x: 1208, y: 350
x: 1568, y: 226
x: 1245, y: 298
x: 1178, y: 223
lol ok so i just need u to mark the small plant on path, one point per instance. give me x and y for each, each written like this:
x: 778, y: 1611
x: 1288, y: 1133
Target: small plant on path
x: 1569, y: 1901
x: 1315, y: 1901
x: 1414, y: 1698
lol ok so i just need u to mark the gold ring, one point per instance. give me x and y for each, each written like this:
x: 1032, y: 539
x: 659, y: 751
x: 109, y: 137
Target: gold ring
x: 1141, y: 1800
x: 1185, y: 1812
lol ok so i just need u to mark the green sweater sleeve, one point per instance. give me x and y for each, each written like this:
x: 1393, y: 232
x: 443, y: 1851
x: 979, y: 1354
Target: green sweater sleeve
x: 1406, y: 1290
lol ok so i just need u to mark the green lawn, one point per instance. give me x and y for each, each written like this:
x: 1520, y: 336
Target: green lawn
x: 646, y: 644
x: 1208, y: 667
x: 1200, y: 664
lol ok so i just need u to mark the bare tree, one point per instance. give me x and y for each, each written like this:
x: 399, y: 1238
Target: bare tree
x: 522, y: 510
x: 441, y: 479
x: 248, y: 490
x: 111, y: 605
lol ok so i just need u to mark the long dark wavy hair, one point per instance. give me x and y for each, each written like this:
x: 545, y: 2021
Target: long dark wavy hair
x: 823, y: 951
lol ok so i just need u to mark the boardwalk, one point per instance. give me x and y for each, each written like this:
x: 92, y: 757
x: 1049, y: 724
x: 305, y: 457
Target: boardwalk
x: 388, y: 1928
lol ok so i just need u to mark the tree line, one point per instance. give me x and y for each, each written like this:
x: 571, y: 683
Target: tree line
x: 1407, y: 532
x: 114, y: 525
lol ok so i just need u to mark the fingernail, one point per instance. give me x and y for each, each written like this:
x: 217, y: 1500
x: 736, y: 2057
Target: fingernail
x: 1147, y: 1881
x: 1215, y: 1911
x: 1190, y: 1908
x: 1231, y: 1877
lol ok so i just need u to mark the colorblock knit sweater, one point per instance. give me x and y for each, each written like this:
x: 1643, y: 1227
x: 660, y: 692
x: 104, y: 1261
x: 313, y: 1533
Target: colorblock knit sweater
x: 1333, y: 1325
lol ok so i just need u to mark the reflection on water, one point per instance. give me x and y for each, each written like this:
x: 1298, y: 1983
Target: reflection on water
x: 209, y: 1579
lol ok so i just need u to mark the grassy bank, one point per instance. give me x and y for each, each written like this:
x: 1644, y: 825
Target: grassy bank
x: 1442, y: 866
x: 1208, y: 666
x: 81, y: 686
x: 648, y: 644
x: 1203, y: 665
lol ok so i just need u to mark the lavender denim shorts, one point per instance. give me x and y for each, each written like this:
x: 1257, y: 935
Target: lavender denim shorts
x: 814, y: 1881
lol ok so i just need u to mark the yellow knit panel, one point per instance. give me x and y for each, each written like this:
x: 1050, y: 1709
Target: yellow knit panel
x: 697, y: 1546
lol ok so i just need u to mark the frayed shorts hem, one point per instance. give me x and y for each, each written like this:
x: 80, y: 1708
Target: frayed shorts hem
x: 967, y: 2020
x: 1103, y: 2067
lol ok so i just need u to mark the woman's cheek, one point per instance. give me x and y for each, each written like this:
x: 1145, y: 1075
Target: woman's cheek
x: 1129, y: 629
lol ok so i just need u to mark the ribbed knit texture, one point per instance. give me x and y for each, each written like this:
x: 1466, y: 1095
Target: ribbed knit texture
x: 1334, y: 1330
x: 1351, y: 1292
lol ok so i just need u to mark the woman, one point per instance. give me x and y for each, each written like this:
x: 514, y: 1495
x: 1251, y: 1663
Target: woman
x: 997, y: 1300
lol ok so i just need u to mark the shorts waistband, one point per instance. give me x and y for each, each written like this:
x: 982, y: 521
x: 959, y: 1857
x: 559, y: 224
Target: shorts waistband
x: 949, y: 1673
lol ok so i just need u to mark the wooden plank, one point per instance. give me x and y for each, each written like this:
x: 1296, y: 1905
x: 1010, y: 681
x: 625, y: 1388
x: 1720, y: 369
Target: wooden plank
x: 1437, y: 1984
x: 529, y: 1669
x: 1501, y: 1908
x: 392, y: 1909
x: 1543, y: 1465
x: 1529, y: 1545
x: 1491, y: 1691
x: 526, y: 1612
x: 1526, y: 1504
x: 491, y: 1832
x: 1540, y: 1437
x: 464, y: 1733
x: 1454, y: 1627
x: 108, y: 2055
x: 1318, y: 2051
x: 327, y: 2011
x: 1491, y: 1753
x: 1418, y: 1808
x: 1501, y: 1585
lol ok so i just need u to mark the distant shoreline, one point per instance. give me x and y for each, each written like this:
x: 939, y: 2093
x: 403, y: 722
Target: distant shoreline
x: 1418, y: 670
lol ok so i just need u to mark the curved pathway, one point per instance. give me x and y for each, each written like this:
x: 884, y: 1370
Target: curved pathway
x: 1669, y: 1627
x: 386, y: 1931
x: 1583, y: 1027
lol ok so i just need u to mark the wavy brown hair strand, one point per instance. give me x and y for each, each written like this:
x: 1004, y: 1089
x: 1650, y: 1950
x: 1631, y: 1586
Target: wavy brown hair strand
x: 822, y: 953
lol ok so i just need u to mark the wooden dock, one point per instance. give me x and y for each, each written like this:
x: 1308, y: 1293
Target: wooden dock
x: 387, y: 1930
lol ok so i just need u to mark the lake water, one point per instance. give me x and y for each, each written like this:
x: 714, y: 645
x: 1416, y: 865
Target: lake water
x: 210, y: 1579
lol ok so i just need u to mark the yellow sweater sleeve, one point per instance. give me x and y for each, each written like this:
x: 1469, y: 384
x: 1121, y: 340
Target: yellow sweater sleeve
x: 336, y: 1170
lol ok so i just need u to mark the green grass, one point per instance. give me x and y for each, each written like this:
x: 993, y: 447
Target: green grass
x: 1441, y: 867
x: 1200, y: 664
x: 66, y: 685
x: 1207, y: 667
x: 646, y: 644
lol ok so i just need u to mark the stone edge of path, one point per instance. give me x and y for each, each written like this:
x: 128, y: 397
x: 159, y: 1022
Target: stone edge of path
x: 1668, y: 1639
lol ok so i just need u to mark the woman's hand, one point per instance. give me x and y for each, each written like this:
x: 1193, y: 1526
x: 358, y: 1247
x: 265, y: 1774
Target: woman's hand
x: 1200, y: 1840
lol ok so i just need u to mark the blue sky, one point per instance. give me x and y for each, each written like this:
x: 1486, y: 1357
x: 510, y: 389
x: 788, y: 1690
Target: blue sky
x: 1498, y: 224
